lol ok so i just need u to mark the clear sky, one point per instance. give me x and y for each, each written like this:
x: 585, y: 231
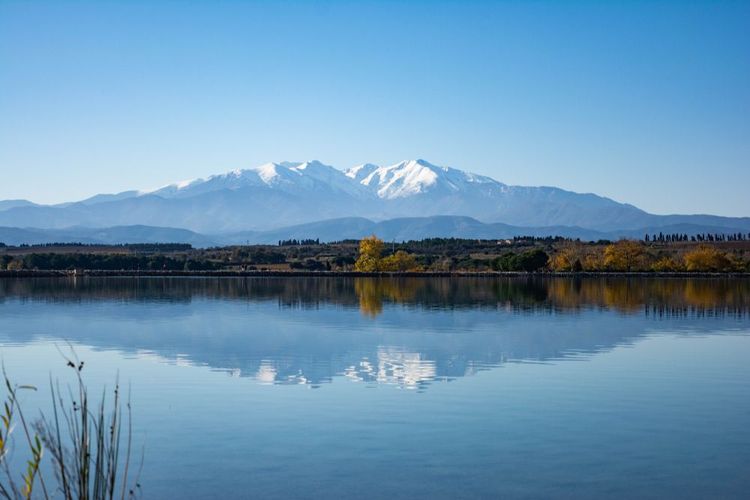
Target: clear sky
x: 644, y: 102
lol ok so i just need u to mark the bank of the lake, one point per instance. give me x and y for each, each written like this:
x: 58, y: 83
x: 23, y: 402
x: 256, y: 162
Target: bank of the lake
x: 68, y: 273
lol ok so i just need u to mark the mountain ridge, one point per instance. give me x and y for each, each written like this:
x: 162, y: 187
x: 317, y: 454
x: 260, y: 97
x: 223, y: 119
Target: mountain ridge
x: 278, y: 195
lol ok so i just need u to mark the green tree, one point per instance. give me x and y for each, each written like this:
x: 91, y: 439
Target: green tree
x: 532, y: 260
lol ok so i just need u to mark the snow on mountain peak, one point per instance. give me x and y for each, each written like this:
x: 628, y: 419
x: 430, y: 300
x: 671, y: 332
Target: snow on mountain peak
x: 359, y: 172
x: 403, y: 179
x: 411, y: 177
x: 267, y: 172
x: 311, y: 165
x: 271, y: 170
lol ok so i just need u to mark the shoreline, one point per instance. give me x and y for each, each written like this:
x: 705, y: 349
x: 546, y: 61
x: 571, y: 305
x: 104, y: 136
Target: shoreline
x: 27, y: 273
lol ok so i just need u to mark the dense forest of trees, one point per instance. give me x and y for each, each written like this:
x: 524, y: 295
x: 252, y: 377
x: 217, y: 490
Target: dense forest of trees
x: 657, y: 253
x: 109, y: 262
x: 136, y: 247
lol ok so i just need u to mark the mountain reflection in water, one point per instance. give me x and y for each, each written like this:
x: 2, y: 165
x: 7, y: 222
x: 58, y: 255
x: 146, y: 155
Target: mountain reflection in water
x: 408, y: 332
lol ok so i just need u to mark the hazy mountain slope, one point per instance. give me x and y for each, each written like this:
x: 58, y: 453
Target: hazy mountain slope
x: 327, y: 230
x: 721, y: 224
x: 213, y: 211
x: 414, y: 228
x: 7, y: 204
x: 408, y: 228
x: 110, y: 236
x: 102, y: 198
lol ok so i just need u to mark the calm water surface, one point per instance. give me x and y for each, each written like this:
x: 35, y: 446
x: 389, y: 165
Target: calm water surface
x: 413, y: 388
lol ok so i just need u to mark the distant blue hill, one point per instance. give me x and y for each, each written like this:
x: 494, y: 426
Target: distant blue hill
x: 401, y: 229
x: 109, y: 236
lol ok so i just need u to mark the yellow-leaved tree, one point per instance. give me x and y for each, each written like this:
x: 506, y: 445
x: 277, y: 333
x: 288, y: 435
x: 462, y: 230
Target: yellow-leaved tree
x: 706, y: 258
x: 370, y: 252
x: 625, y: 255
x: 565, y: 259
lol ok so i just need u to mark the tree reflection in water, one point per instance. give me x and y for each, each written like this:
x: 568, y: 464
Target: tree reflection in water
x: 417, y: 330
x: 370, y: 295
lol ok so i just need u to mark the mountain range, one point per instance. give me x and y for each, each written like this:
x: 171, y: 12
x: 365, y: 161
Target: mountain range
x: 408, y: 200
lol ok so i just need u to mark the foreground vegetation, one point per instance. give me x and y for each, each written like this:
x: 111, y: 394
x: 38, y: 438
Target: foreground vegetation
x: 658, y: 253
x: 83, y: 441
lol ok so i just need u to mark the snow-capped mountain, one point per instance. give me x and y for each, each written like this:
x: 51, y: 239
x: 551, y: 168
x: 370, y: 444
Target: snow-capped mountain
x: 275, y: 195
x: 414, y: 177
x: 402, y: 180
x: 287, y: 177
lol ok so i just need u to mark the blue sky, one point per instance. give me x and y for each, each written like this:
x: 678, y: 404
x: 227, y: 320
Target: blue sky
x: 644, y: 102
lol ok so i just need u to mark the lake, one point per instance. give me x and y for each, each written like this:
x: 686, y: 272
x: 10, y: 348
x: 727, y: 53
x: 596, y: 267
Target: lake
x: 408, y: 388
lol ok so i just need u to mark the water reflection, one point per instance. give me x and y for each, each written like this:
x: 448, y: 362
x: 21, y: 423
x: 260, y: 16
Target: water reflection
x: 394, y: 366
x: 627, y: 295
x: 372, y: 293
x: 406, y: 332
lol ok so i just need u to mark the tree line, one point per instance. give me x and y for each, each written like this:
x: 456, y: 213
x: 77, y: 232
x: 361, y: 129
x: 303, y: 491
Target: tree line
x: 701, y: 237
x: 294, y: 242
x: 136, y: 247
x: 631, y: 255
x: 435, y: 254
x: 106, y: 262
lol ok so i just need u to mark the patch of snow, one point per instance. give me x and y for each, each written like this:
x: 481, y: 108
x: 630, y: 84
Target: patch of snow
x: 361, y: 171
x: 268, y: 172
x: 186, y: 183
x: 408, y: 178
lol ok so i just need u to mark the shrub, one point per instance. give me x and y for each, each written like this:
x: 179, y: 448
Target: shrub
x: 4, y: 261
x: 15, y: 265
x: 399, y: 261
x: 667, y: 264
x: 309, y: 265
x: 706, y: 258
